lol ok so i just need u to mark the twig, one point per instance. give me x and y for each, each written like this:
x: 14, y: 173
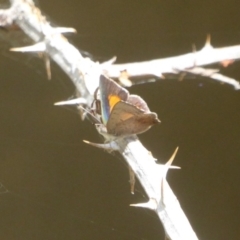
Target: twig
x: 184, y: 63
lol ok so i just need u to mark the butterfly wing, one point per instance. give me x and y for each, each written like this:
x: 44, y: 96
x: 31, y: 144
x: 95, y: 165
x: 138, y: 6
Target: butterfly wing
x: 138, y: 102
x: 110, y: 94
x: 126, y: 119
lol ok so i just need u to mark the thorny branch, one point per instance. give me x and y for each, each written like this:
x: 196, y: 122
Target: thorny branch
x: 187, y: 63
x: 85, y: 73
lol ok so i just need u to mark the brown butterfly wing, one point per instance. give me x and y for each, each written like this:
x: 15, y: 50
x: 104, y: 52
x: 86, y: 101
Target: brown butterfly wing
x: 126, y: 119
x: 138, y: 102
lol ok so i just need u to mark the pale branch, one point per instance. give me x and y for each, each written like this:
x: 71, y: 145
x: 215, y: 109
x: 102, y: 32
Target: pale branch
x: 184, y: 63
x: 85, y: 73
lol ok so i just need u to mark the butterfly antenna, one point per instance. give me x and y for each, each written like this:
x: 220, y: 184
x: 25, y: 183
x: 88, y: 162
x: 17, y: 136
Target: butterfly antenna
x: 96, y: 120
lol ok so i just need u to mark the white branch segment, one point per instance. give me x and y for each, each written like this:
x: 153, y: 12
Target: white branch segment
x: 183, y: 63
x: 162, y: 200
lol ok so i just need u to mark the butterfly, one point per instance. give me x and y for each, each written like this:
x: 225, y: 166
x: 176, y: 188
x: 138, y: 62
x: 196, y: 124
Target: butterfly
x: 123, y: 114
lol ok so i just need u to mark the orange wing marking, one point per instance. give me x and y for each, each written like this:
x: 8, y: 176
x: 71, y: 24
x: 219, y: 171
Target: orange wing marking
x: 113, y: 99
x: 124, y: 116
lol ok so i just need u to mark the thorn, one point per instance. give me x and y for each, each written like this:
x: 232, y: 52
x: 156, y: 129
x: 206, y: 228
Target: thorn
x: 38, y: 47
x: 109, y: 62
x: 108, y: 146
x: 169, y: 162
x: 194, y: 49
x: 226, y: 63
x: 208, y: 40
x: 75, y: 101
x: 82, y: 113
x: 181, y: 77
x: 158, y: 75
x: 132, y: 179
x: 167, y: 166
x: 237, y: 86
x: 208, y: 45
x: 47, y: 62
x: 151, y: 204
x: 163, y: 168
x: 162, y: 76
x: 64, y: 30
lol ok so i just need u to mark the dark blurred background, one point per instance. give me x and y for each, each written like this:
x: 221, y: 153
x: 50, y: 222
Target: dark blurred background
x: 56, y: 187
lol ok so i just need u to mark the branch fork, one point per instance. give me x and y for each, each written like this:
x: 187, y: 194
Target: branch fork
x: 85, y: 74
